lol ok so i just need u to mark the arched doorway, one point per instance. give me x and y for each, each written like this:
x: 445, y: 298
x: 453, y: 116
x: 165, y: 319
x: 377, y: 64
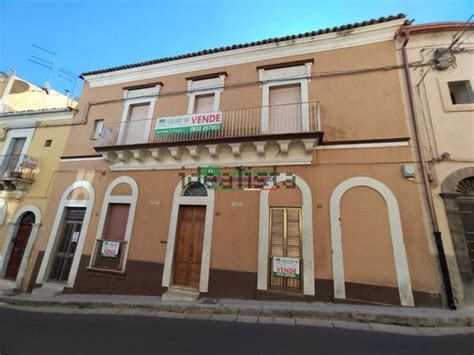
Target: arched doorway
x: 457, y: 191
x: 19, y: 245
x: 188, y: 248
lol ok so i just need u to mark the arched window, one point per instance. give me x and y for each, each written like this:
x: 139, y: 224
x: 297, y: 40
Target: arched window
x: 466, y: 186
x: 115, y: 225
x: 195, y: 189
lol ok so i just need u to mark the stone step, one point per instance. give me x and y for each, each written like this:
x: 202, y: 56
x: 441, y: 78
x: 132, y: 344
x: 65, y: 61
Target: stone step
x: 49, y: 290
x: 179, y: 293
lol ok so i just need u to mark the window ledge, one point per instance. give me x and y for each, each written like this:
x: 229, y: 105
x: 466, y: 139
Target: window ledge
x: 106, y: 271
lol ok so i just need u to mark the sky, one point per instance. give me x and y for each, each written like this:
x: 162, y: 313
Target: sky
x: 95, y: 34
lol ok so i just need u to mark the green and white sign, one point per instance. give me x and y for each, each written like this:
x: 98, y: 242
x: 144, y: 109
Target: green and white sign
x: 198, y: 122
x: 286, y: 267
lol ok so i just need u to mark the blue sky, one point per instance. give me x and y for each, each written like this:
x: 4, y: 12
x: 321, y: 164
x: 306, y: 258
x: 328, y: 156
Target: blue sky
x: 96, y: 34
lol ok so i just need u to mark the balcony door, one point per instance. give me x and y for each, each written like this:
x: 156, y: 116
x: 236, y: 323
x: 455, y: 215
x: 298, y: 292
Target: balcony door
x: 11, y: 159
x: 285, y: 109
x: 136, y: 125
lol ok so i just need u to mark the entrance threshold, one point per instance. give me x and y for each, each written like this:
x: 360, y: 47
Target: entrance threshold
x: 181, y: 293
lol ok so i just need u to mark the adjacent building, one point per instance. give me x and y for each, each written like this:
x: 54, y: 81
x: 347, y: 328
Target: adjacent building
x: 444, y: 101
x: 34, y: 127
x: 279, y: 169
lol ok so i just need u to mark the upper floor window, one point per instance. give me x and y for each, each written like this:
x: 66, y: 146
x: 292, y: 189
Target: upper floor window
x: 138, y: 113
x: 461, y: 92
x: 205, y: 93
x: 204, y: 103
x: 285, y: 97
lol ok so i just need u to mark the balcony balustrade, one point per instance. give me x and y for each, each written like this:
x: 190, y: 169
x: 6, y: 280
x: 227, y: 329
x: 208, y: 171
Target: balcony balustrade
x: 253, y: 135
x: 252, y: 122
x: 17, y: 171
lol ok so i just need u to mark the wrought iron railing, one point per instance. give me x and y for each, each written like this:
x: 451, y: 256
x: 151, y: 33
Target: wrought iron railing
x: 18, y: 166
x: 242, y: 122
x: 111, y: 257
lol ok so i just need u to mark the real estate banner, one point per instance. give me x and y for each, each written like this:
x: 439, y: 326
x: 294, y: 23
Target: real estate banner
x: 110, y: 249
x: 199, y: 122
x: 286, y: 267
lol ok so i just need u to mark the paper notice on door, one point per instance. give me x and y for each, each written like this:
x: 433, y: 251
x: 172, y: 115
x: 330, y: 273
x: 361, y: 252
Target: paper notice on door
x: 75, y: 237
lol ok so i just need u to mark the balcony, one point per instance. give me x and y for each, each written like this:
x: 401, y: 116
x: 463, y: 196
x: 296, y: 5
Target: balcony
x: 247, y: 135
x: 18, y: 171
x: 109, y: 256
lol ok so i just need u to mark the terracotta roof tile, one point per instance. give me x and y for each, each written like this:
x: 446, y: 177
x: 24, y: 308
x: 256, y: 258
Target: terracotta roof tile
x: 250, y: 44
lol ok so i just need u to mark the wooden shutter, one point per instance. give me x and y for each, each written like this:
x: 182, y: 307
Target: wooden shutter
x: 116, y: 223
x: 204, y: 103
x: 285, y: 241
x: 285, y: 111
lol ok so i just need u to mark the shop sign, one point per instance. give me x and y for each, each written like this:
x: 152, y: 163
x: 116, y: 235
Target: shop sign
x: 237, y: 179
x: 286, y: 267
x: 110, y: 249
x: 198, y: 122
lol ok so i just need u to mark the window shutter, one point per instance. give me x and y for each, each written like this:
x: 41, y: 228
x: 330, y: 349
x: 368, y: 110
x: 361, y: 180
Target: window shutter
x: 293, y: 233
x: 204, y: 104
x: 116, y: 222
x: 277, y: 232
x: 139, y: 112
x: 285, y: 113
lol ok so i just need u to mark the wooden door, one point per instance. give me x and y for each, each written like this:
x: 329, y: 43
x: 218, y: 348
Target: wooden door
x: 66, y: 248
x: 19, y: 246
x: 188, y: 248
x: 466, y: 211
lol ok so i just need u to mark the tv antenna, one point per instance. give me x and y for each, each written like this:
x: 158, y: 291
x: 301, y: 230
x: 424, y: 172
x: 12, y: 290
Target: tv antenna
x: 69, y: 76
x: 46, y: 63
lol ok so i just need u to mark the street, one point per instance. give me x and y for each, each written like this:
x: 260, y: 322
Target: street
x: 32, y: 333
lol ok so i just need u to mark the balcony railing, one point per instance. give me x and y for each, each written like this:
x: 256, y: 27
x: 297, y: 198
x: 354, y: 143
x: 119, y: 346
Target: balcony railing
x: 237, y: 123
x: 18, y: 167
x: 109, y: 258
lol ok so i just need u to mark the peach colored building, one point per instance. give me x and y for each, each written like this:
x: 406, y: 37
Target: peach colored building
x: 277, y: 169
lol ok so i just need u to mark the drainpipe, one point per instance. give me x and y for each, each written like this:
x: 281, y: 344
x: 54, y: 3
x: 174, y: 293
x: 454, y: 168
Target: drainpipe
x: 437, y: 234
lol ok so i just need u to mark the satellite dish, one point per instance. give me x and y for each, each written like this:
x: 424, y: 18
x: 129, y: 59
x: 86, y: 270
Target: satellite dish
x: 19, y: 86
x: 3, y: 77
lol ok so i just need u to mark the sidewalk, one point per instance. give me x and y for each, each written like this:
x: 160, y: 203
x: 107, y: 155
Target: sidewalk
x: 423, y: 321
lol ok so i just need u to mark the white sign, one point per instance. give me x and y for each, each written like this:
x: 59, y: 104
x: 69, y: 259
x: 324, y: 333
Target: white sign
x: 110, y: 249
x: 198, y: 122
x: 286, y: 267
x: 75, y: 237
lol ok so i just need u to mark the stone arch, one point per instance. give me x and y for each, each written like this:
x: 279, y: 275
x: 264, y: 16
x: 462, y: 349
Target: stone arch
x: 401, y: 263
x: 307, y: 234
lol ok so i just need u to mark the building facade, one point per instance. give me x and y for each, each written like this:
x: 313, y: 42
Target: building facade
x: 32, y: 142
x: 444, y: 103
x: 278, y: 169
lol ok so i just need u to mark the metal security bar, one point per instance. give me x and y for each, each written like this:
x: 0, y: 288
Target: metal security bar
x: 108, y: 262
x: 18, y: 166
x: 242, y: 122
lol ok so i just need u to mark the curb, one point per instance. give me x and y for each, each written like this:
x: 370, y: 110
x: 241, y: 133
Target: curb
x: 402, y: 319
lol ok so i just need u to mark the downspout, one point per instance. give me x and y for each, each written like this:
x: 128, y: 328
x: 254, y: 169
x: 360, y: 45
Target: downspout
x: 426, y: 184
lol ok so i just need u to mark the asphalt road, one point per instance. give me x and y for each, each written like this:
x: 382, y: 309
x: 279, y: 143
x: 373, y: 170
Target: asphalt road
x: 32, y: 333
